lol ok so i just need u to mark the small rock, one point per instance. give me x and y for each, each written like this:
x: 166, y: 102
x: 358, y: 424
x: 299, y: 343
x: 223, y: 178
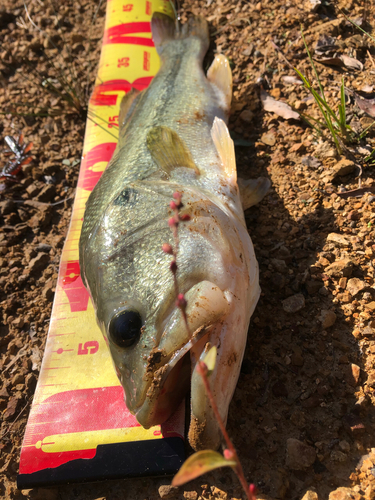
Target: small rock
x: 268, y: 138
x: 4, y: 393
x: 247, y: 116
x: 355, y: 286
x: 167, y: 491
x: 218, y: 493
x: 354, y: 215
x: 310, y: 495
x: 344, y: 446
x: 294, y: 303
x: 190, y: 495
x: 371, y: 380
x: 7, y: 207
x: 279, y: 265
x: 327, y: 318
x: 30, y: 382
x: 367, y: 331
x: 47, y: 193
x: 299, y: 455
x: 38, y: 263
x: 17, y: 379
x: 338, y: 456
x: 340, y: 268
x: 338, y: 240
x: 48, y: 291
x: 18, y: 322
x: 344, y: 494
x: 300, y: 105
x: 343, y: 167
x: 11, y: 408
x: 343, y: 282
x: 370, y: 492
x: 344, y: 297
x: 32, y: 190
x: 325, y: 150
x: 299, y: 147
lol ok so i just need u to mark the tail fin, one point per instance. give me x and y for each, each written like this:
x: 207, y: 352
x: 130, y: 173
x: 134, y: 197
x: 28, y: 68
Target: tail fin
x: 164, y: 30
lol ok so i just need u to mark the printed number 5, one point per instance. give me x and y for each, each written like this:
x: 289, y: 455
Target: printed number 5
x: 90, y: 347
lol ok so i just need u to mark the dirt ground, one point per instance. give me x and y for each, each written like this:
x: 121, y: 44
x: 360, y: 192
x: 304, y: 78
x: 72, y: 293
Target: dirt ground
x: 303, y: 416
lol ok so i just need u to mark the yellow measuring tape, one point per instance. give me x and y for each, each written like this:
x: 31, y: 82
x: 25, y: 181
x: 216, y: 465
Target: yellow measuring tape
x: 79, y: 403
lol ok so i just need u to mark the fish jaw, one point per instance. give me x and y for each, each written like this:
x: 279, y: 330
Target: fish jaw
x: 207, y: 308
x: 230, y: 340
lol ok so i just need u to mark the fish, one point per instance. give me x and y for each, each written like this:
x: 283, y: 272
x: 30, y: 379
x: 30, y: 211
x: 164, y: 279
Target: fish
x: 173, y: 137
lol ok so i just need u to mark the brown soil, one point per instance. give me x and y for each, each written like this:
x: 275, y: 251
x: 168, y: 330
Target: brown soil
x: 302, y: 416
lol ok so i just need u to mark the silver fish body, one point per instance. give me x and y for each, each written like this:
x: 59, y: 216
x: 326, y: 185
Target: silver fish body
x: 173, y: 137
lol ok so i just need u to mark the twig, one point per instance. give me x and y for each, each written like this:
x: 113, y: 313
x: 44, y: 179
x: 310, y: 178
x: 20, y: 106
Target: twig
x: 282, y: 55
x: 356, y: 193
x: 15, y: 420
x: 173, y: 223
x: 19, y: 355
x: 230, y: 453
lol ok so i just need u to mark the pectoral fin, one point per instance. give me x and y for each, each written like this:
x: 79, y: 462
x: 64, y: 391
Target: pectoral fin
x: 220, y: 75
x: 127, y: 106
x: 225, y: 148
x: 252, y: 191
x: 169, y: 151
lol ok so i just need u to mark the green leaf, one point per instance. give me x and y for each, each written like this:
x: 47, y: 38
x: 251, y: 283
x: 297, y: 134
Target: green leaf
x: 66, y: 162
x: 199, y: 463
x: 313, y: 65
x: 210, y: 360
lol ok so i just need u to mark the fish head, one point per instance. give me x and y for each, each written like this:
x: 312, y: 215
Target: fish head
x: 154, y: 346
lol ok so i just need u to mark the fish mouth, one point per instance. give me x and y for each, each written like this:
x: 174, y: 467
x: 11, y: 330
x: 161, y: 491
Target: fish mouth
x: 207, y: 306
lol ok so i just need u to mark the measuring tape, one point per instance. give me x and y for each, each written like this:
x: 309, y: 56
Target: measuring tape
x: 78, y: 410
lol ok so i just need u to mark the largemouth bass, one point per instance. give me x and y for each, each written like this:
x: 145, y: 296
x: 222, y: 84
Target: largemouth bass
x: 173, y: 137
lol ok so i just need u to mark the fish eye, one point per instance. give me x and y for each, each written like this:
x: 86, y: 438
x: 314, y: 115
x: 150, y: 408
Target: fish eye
x: 125, y: 328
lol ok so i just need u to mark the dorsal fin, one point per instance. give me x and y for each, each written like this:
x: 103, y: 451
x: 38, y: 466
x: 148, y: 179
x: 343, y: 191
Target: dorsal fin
x: 220, y: 75
x: 168, y: 150
x: 225, y: 148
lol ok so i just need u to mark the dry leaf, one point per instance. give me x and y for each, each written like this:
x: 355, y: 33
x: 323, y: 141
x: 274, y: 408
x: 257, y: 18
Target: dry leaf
x: 341, y: 61
x: 314, y: 5
x: 325, y: 44
x: 36, y: 358
x: 351, y: 63
x: 311, y: 161
x: 367, y: 88
x: 279, y: 108
x: 290, y: 80
x: 331, y: 61
x: 366, y: 105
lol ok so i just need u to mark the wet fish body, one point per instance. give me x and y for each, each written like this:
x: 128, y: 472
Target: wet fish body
x: 173, y: 137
